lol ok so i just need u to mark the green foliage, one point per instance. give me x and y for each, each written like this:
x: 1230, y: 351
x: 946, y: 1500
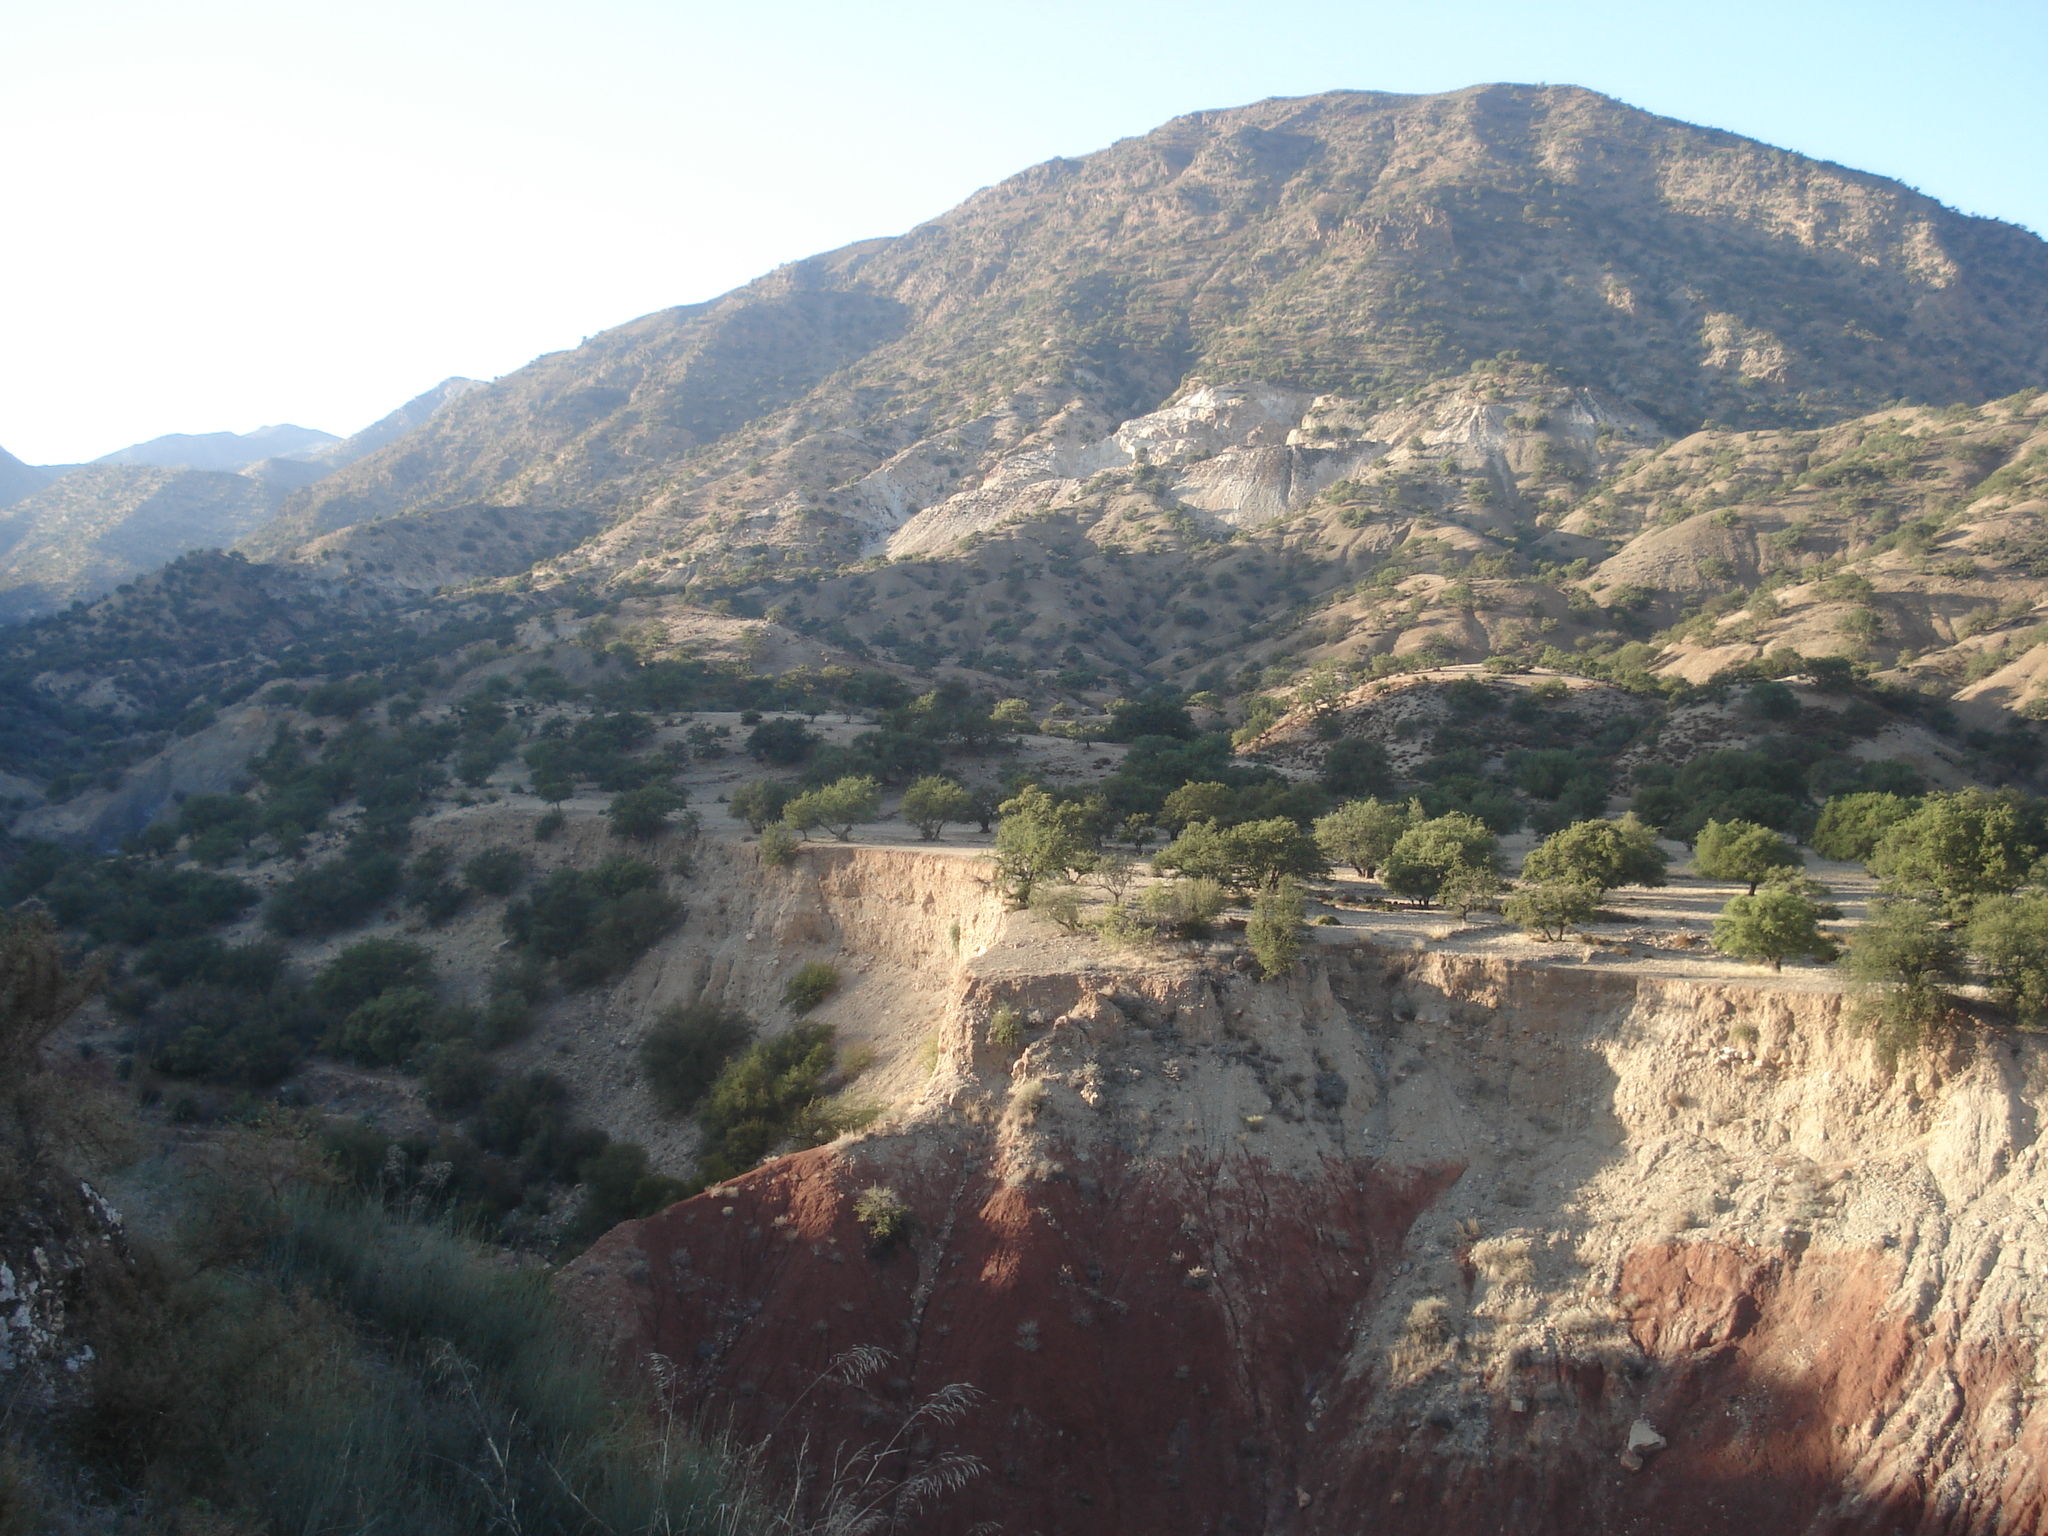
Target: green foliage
x: 2009, y: 937
x: 688, y: 1046
x: 369, y: 968
x: 455, y: 1076
x: 1159, y: 711
x: 344, y: 892
x: 1767, y: 789
x: 813, y: 982
x: 134, y: 901
x: 383, y: 1031
x: 1039, y: 838
x: 1355, y: 768
x: 495, y: 871
x: 1251, y: 856
x: 1602, y: 854
x: 593, y: 923
x: 1362, y: 833
x: 1006, y: 1028
x: 1851, y: 826
x: 931, y: 802
x: 1959, y: 847
x: 1551, y: 908
x: 882, y: 1215
x: 760, y: 802
x: 837, y: 807
x: 1430, y: 852
x: 1780, y: 922
x: 778, y: 845
x: 1184, y: 908
x: 774, y: 1092
x: 1903, y: 956
x: 645, y: 813
x: 1274, y: 929
x: 784, y: 743
x: 1743, y: 852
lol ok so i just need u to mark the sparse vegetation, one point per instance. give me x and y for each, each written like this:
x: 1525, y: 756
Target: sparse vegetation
x: 812, y: 983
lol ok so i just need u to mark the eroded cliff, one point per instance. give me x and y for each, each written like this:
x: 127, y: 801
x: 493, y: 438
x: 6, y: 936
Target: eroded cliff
x: 1405, y: 1240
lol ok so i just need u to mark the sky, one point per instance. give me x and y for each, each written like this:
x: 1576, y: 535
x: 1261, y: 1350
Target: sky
x: 222, y: 215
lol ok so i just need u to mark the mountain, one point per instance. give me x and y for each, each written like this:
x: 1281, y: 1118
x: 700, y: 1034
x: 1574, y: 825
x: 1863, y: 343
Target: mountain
x: 221, y: 450
x: 108, y: 523
x: 18, y: 479
x: 389, y: 429
x: 1355, y: 245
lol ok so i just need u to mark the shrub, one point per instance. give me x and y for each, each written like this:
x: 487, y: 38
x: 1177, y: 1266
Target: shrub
x: 1851, y: 826
x: 456, y: 1076
x: 882, y: 1215
x: 814, y: 981
x: 1551, y: 908
x: 933, y: 801
x: 837, y: 807
x: 1058, y: 904
x: 342, y: 893
x: 1743, y: 852
x: 771, y: 1093
x: 1903, y: 956
x: 1006, y: 1028
x: 370, y: 968
x: 783, y: 742
x: 1185, y: 908
x: 778, y: 844
x: 547, y: 826
x: 1958, y: 847
x: 687, y: 1048
x: 1274, y: 929
x: 384, y: 1030
x: 594, y: 923
x: 2009, y: 936
x: 495, y: 871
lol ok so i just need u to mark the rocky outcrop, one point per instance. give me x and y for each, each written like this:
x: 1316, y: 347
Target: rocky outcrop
x: 1409, y: 1240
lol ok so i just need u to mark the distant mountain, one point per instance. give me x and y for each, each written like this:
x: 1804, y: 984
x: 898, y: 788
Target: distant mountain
x: 1354, y: 244
x: 18, y: 479
x: 108, y: 523
x: 222, y: 450
x: 389, y: 429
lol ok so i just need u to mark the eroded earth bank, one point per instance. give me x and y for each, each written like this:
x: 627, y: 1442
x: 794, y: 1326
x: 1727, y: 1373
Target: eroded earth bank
x: 1404, y: 1240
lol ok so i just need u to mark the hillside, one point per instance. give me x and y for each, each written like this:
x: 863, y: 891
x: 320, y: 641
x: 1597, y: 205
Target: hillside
x: 1352, y: 244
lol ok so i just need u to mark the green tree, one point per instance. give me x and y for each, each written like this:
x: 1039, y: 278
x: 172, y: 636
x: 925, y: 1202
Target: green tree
x: 1255, y: 855
x: 1602, y: 854
x: 2009, y: 936
x: 1039, y: 838
x: 1356, y: 767
x: 1549, y: 909
x: 1742, y: 851
x: 837, y: 807
x: 1851, y: 826
x: 1902, y: 957
x: 1011, y: 715
x: 1957, y: 848
x: 1428, y: 853
x: 1775, y: 924
x: 1362, y: 833
x: 1274, y: 929
x: 761, y: 802
x: 643, y: 814
x: 933, y: 801
x: 369, y: 968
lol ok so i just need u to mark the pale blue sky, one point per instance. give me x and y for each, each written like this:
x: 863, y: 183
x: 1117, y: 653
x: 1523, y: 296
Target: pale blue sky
x: 224, y: 214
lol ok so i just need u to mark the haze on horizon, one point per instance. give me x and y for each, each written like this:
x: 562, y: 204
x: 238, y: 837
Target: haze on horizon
x: 232, y: 215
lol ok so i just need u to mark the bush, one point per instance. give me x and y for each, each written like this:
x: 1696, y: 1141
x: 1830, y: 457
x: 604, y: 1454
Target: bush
x: 369, y: 968
x: 643, y: 814
x: 882, y: 1215
x: 1958, y: 847
x: 594, y: 923
x: 495, y: 871
x: 1743, y: 852
x: 1185, y: 908
x: 2009, y: 936
x: 1851, y: 826
x: 547, y: 826
x: 772, y: 1093
x: 782, y: 742
x: 1274, y: 929
x: 814, y: 981
x: 1550, y: 909
x: 344, y: 892
x: 456, y: 1076
x: 778, y: 844
x: 687, y: 1048
x: 1006, y: 1028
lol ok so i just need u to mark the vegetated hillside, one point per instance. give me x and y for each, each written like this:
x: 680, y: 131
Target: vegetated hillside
x: 18, y: 479
x: 1352, y: 243
x: 105, y: 524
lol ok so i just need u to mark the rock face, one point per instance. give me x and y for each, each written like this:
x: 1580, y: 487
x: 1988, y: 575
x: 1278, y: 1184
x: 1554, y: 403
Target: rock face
x: 1405, y: 1241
